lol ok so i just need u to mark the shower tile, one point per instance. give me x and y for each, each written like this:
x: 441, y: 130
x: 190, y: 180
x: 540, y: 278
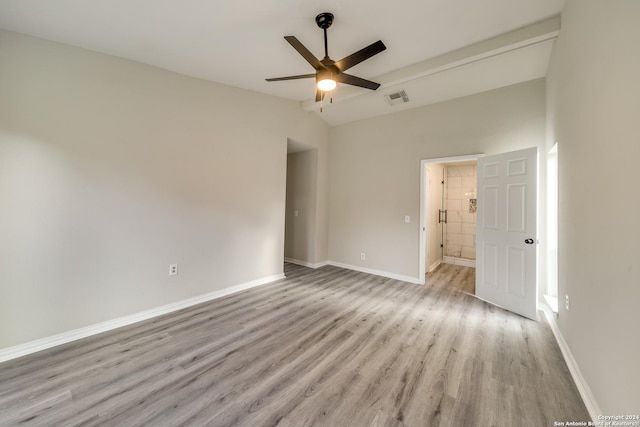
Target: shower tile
x: 468, y: 182
x: 454, y: 205
x: 454, y: 216
x: 454, y: 250
x: 454, y: 239
x: 467, y: 171
x: 456, y: 193
x: 460, y: 229
x: 454, y: 182
x: 453, y: 171
x: 469, y: 218
x: 467, y: 240
x: 468, y: 228
x: 468, y: 252
x: 455, y: 227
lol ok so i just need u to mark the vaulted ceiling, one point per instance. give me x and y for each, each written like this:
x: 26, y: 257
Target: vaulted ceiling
x: 436, y: 49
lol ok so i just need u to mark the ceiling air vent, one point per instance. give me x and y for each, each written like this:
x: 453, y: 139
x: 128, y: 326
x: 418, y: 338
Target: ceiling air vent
x: 397, y: 97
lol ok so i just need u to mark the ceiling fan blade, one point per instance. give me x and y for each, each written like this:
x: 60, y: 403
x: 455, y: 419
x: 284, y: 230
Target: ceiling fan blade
x: 306, y: 54
x: 356, y: 81
x: 356, y: 58
x: 301, y: 76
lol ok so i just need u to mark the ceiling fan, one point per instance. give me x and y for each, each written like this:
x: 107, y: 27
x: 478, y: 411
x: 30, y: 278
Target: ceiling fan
x: 329, y: 72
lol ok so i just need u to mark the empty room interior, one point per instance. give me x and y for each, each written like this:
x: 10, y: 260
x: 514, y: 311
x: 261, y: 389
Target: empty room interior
x: 195, y: 230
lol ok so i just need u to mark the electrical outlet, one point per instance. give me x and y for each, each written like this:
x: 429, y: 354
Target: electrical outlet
x: 566, y: 302
x: 363, y: 256
x: 173, y: 269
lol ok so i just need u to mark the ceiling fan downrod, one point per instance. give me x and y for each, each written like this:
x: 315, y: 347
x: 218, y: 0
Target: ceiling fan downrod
x: 324, y: 21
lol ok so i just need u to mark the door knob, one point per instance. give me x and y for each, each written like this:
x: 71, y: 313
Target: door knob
x: 528, y: 241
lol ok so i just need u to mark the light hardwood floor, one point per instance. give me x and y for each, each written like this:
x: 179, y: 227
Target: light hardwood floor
x: 325, y: 347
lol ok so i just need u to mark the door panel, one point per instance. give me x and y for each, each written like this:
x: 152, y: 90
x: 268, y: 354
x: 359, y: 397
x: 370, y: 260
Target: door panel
x: 507, y: 227
x: 516, y: 208
x: 490, y: 270
x: 490, y: 197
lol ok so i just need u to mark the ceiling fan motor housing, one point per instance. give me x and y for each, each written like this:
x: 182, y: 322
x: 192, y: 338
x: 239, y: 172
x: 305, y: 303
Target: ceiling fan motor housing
x: 324, y: 20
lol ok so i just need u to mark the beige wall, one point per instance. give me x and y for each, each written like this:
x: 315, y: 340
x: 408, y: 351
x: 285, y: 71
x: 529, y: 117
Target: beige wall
x: 375, y: 168
x: 594, y: 114
x: 111, y: 170
x: 300, y: 226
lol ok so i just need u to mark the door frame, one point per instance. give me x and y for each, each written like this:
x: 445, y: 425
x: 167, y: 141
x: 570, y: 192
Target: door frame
x: 423, y: 230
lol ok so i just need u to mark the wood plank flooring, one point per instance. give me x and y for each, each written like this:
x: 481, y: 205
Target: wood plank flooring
x: 325, y: 347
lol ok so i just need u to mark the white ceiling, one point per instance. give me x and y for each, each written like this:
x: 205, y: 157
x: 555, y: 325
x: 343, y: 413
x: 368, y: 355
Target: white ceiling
x: 240, y: 43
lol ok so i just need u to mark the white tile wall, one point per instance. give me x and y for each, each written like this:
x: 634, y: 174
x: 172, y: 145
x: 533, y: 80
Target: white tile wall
x: 455, y: 227
x: 454, y: 204
x: 460, y: 186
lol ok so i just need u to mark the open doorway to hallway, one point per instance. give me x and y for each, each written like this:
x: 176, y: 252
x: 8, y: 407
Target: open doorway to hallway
x: 300, y: 205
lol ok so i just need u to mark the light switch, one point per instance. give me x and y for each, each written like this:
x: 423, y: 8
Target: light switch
x: 407, y: 219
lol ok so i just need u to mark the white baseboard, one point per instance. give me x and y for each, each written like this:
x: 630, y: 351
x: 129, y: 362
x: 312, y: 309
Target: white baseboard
x: 583, y: 388
x: 361, y: 269
x: 306, y: 263
x: 76, y: 334
x: 377, y: 272
x: 459, y: 261
x: 434, y: 266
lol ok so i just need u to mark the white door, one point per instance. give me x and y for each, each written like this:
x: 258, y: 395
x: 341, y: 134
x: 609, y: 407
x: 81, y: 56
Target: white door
x: 506, y: 237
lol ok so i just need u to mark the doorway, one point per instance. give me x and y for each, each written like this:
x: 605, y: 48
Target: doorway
x: 507, y: 270
x: 300, y: 204
x: 448, y: 203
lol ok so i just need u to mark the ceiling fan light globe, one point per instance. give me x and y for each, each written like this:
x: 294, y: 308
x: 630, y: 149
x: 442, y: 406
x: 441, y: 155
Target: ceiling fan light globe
x: 326, y: 85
